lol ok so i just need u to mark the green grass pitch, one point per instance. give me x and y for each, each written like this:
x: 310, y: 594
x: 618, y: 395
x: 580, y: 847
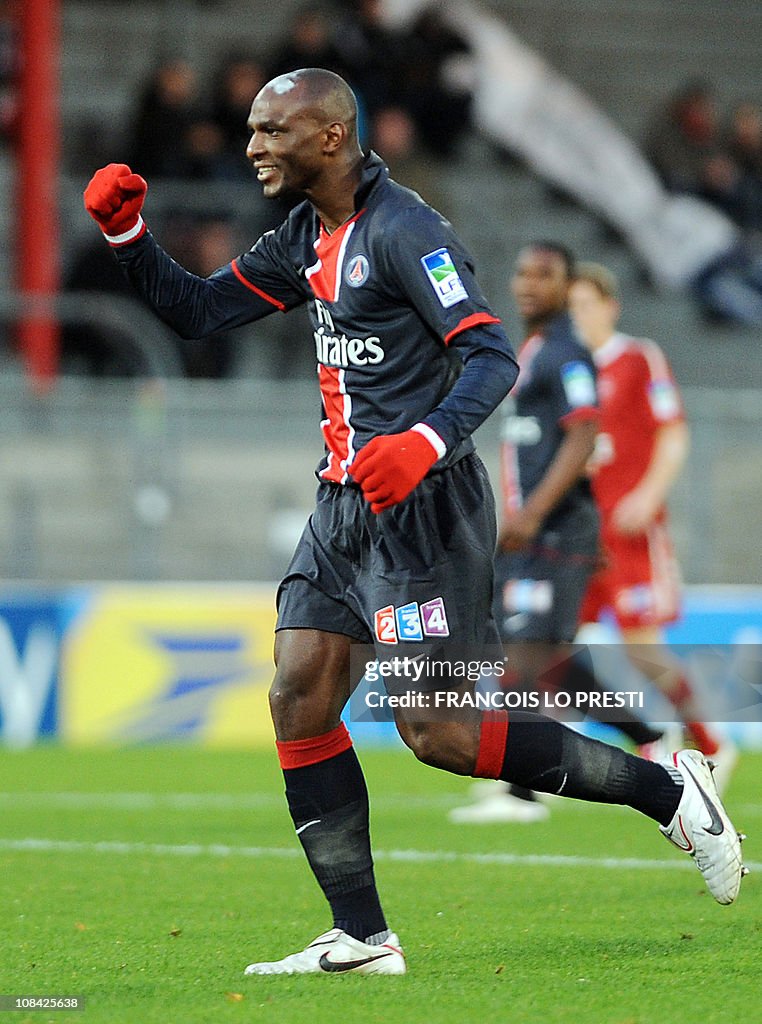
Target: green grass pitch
x: 145, y: 880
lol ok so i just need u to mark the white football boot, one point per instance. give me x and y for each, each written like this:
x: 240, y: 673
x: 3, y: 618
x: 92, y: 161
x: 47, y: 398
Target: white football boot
x: 335, y: 952
x: 702, y: 828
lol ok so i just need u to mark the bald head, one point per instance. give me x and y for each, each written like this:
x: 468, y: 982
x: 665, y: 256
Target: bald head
x: 319, y: 94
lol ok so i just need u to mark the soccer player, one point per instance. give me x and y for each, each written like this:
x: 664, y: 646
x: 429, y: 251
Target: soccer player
x: 640, y: 450
x: 400, y: 544
x: 548, y: 537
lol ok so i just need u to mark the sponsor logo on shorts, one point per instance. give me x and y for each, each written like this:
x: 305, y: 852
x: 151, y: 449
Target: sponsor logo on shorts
x: 444, y: 278
x: 411, y: 622
x: 386, y: 625
x: 357, y: 271
x: 435, y: 618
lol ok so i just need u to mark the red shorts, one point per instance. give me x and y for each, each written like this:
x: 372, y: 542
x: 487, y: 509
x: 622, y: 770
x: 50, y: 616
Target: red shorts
x: 641, y: 582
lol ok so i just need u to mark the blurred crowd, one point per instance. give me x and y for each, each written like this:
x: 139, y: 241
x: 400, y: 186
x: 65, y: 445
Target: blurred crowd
x: 412, y: 89
x: 410, y: 86
x: 415, y: 91
x: 698, y: 151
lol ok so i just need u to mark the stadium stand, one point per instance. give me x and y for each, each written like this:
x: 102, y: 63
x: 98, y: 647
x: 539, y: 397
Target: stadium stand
x: 627, y: 61
x: 123, y: 501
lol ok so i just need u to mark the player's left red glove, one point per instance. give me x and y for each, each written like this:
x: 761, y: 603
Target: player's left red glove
x: 391, y: 465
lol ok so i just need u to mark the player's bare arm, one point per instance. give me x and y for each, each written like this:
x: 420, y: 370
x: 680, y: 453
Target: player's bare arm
x: 519, y: 528
x: 637, y: 509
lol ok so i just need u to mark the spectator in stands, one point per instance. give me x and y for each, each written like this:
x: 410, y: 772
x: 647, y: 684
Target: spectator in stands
x: 309, y: 44
x: 205, y: 243
x: 393, y: 135
x: 744, y: 142
x: 206, y: 156
x: 438, y: 83
x: 687, y: 149
x: 209, y: 243
x: 238, y: 79
x: 166, y: 110
x: 730, y: 288
x: 373, y: 58
x: 684, y: 136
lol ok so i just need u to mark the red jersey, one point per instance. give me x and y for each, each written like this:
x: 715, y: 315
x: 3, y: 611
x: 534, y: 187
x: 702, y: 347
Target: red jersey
x: 637, y: 396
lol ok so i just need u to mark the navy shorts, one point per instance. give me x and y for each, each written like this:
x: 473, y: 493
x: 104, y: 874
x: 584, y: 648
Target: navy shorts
x: 539, y: 592
x: 421, y: 571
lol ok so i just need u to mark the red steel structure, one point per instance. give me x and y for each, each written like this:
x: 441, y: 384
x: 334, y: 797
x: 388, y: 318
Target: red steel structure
x: 37, y: 168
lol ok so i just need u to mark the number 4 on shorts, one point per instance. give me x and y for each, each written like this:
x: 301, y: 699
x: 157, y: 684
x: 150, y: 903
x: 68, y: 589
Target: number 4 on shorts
x: 434, y: 618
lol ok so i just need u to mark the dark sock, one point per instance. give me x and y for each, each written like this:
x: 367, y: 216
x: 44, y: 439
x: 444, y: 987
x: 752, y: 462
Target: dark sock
x: 329, y: 807
x: 576, y: 675
x: 546, y: 756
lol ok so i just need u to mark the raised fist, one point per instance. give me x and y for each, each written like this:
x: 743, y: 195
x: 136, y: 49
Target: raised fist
x: 114, y: 198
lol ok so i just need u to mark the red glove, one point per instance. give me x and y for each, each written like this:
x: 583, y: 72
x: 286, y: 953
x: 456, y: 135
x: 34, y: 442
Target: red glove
x: 391, y: 465
x: 114, y: 198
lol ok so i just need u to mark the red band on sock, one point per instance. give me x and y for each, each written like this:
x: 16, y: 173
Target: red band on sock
x: 300, y: 753
x: 492, y: 741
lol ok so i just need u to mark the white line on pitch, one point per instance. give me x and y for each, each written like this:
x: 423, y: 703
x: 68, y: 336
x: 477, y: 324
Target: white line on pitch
x: 33, y: 845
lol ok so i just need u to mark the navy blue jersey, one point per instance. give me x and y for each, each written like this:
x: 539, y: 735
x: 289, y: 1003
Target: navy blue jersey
x: 401, y: 330
x: 556, y: 385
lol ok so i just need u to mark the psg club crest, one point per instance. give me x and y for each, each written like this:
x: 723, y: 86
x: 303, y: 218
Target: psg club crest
x: 357, y: 271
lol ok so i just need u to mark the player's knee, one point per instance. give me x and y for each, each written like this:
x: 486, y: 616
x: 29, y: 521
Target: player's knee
x: 289, y: 686
x: 433, y: 744
x: 418, y: 739
x: 309, y: 689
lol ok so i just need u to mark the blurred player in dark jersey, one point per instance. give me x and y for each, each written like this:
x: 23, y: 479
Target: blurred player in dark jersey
x: 640, y: 450
x: 399, y: 548
x: 548, y: 538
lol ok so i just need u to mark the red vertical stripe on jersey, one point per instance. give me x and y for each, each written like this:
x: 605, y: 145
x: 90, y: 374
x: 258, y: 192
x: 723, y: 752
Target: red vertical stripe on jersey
x: 336, y: 428
x: 324, y: 280
x: 330, y: 251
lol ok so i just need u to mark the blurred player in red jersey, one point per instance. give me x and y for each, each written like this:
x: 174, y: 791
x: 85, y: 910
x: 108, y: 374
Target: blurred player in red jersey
x: 641, y: 448
x: 548, y: 541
